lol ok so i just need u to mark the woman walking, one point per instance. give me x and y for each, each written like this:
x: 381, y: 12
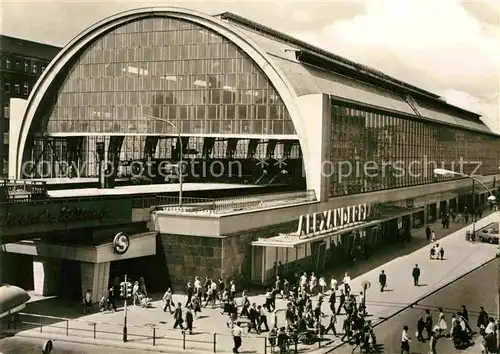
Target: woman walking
x: 443, y: 327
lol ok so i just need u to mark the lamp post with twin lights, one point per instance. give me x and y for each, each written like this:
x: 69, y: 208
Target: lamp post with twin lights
x: 491, y: 199
x: 180, y: 166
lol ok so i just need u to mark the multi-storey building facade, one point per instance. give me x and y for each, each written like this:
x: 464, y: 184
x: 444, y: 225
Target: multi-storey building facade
x: 21, y: 64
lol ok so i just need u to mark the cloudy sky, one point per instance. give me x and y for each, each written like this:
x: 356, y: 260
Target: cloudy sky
x: 449, y: 47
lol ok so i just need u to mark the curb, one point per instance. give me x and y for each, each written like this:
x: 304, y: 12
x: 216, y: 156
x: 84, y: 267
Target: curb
x: 110, y: 344
x: 406, y: 307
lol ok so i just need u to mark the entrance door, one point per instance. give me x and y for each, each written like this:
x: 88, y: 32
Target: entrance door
x: 71, y: 280
x: 318, y: 252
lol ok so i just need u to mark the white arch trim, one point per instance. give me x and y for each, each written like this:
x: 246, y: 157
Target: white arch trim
x: 85, y: 38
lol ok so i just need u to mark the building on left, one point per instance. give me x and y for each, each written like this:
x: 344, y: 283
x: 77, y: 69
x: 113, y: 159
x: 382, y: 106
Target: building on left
x: 21, y: 64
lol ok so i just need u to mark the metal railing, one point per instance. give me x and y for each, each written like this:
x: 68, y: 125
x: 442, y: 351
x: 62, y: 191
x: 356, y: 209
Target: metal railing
x: 14, y: 190
x: 212, y: 205
x: 149, y: 334
x: 235, y: 204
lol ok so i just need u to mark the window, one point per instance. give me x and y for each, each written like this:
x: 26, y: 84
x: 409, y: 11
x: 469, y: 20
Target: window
x: 17, y: 88
x: 26, y: 89
x: 34, y: 70
x: 7, y: 63
x: 43, y: 68
x: 7, y: 87
x: 18, y: 65
x: 6, y: 138
x: 6, y: 111
x: 26, y: 67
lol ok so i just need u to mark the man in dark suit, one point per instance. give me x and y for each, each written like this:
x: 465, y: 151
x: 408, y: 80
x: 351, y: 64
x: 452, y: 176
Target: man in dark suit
x: 428, y: 232
x: 382, y: 279
x: 416, y: 275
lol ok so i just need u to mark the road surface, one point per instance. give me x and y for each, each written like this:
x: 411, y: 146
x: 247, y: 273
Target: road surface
x: 20, y: 345
x: 477, y: 289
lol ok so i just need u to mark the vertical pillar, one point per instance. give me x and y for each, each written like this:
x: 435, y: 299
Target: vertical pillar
x: 95, y: 277
x: 438, y: 211
x: 46, y: 275
x: 426, y: 215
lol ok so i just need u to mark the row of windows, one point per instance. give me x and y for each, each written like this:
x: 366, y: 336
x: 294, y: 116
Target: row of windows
x: 135, y: 53
x: 229, y: 82
x: 16, y: 88
x: 224, y: 84
x: 185, y: 97
x: 133, y: 148
x: 172, y: 112
x: 372, y: 151
x: 271, y: 127
x: 30, y: 66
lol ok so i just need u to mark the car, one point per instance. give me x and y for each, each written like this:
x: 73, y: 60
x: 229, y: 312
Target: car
x: 488, y: 235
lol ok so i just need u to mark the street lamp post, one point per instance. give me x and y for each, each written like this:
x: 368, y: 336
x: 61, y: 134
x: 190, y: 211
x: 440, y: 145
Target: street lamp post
x: 181, y: 148
x: 492, y: 199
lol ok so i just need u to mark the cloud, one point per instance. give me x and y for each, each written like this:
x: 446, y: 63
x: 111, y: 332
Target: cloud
x: 437, y: 45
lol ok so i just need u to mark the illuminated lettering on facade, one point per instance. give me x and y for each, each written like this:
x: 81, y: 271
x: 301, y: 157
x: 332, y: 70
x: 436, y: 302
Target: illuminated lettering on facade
x: 332, y: 219
x: 65, y: 214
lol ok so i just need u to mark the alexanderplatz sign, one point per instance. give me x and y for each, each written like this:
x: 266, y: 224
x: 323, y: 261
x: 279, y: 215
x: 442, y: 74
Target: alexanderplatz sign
x: 53, y: 215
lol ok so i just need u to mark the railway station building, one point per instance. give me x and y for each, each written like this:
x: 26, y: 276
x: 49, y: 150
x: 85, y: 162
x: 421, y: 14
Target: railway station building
x: 331, y: 156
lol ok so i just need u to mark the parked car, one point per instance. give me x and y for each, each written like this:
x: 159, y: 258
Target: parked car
x: 488, y: 235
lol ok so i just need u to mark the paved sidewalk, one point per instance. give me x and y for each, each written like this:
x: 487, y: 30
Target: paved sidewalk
x: 461, y: 257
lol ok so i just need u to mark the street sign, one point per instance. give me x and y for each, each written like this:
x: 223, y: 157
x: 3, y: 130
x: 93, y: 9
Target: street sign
x: 365, y: 284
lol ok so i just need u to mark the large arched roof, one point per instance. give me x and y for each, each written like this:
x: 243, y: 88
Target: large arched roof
x: 75, y: 47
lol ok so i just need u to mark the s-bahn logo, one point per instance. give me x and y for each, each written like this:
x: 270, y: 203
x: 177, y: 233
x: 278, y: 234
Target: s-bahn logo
x: 121, y: 243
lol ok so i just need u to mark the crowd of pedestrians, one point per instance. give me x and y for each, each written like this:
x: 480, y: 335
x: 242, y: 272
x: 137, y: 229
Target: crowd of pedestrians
x: 459, y: 331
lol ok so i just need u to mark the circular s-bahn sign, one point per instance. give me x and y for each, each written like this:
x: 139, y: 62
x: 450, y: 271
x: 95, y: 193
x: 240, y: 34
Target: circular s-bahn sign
x: 121, y: 243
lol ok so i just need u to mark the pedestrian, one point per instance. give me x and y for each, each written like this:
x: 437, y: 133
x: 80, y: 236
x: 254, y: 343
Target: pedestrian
x: 189, y: 293
x: 482, y: 318
x: 420, y: 329
x: 331, y: 324
x: 432, y: 343
x: 416, y: 275
x: 178, y: 316
x: 236, y: 332
x: 341, y: 301
x: 189, y: 320
x: 332, y: 300
x: 442, y: 325
x: 232, y: 288
x: 433, y: 236
x: 405, y: 341
x: 167, y: 299
x: 112, y: 298
x: 441, y: 253
x: 432, y: 252
x: 428, y: 323
x: 322, y: 285
x: 465, y: 314
x: 347, y: 284
x: 87, y: 301
x: 382, y: 279
x: 428, y: 232
x: 347, y: 329
x: 333, y: 284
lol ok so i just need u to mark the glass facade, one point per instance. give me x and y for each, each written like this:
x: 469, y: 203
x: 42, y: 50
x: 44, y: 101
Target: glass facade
x: 372, y: 151
x: 171, y: 69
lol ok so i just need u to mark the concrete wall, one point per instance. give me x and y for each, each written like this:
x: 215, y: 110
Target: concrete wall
x: 219, y: 225
x: 189, y: 256
x: 315, y: 111
x: 95, y: 277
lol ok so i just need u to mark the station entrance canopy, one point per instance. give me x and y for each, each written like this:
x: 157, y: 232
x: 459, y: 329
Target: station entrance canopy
x: 319, y: 226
